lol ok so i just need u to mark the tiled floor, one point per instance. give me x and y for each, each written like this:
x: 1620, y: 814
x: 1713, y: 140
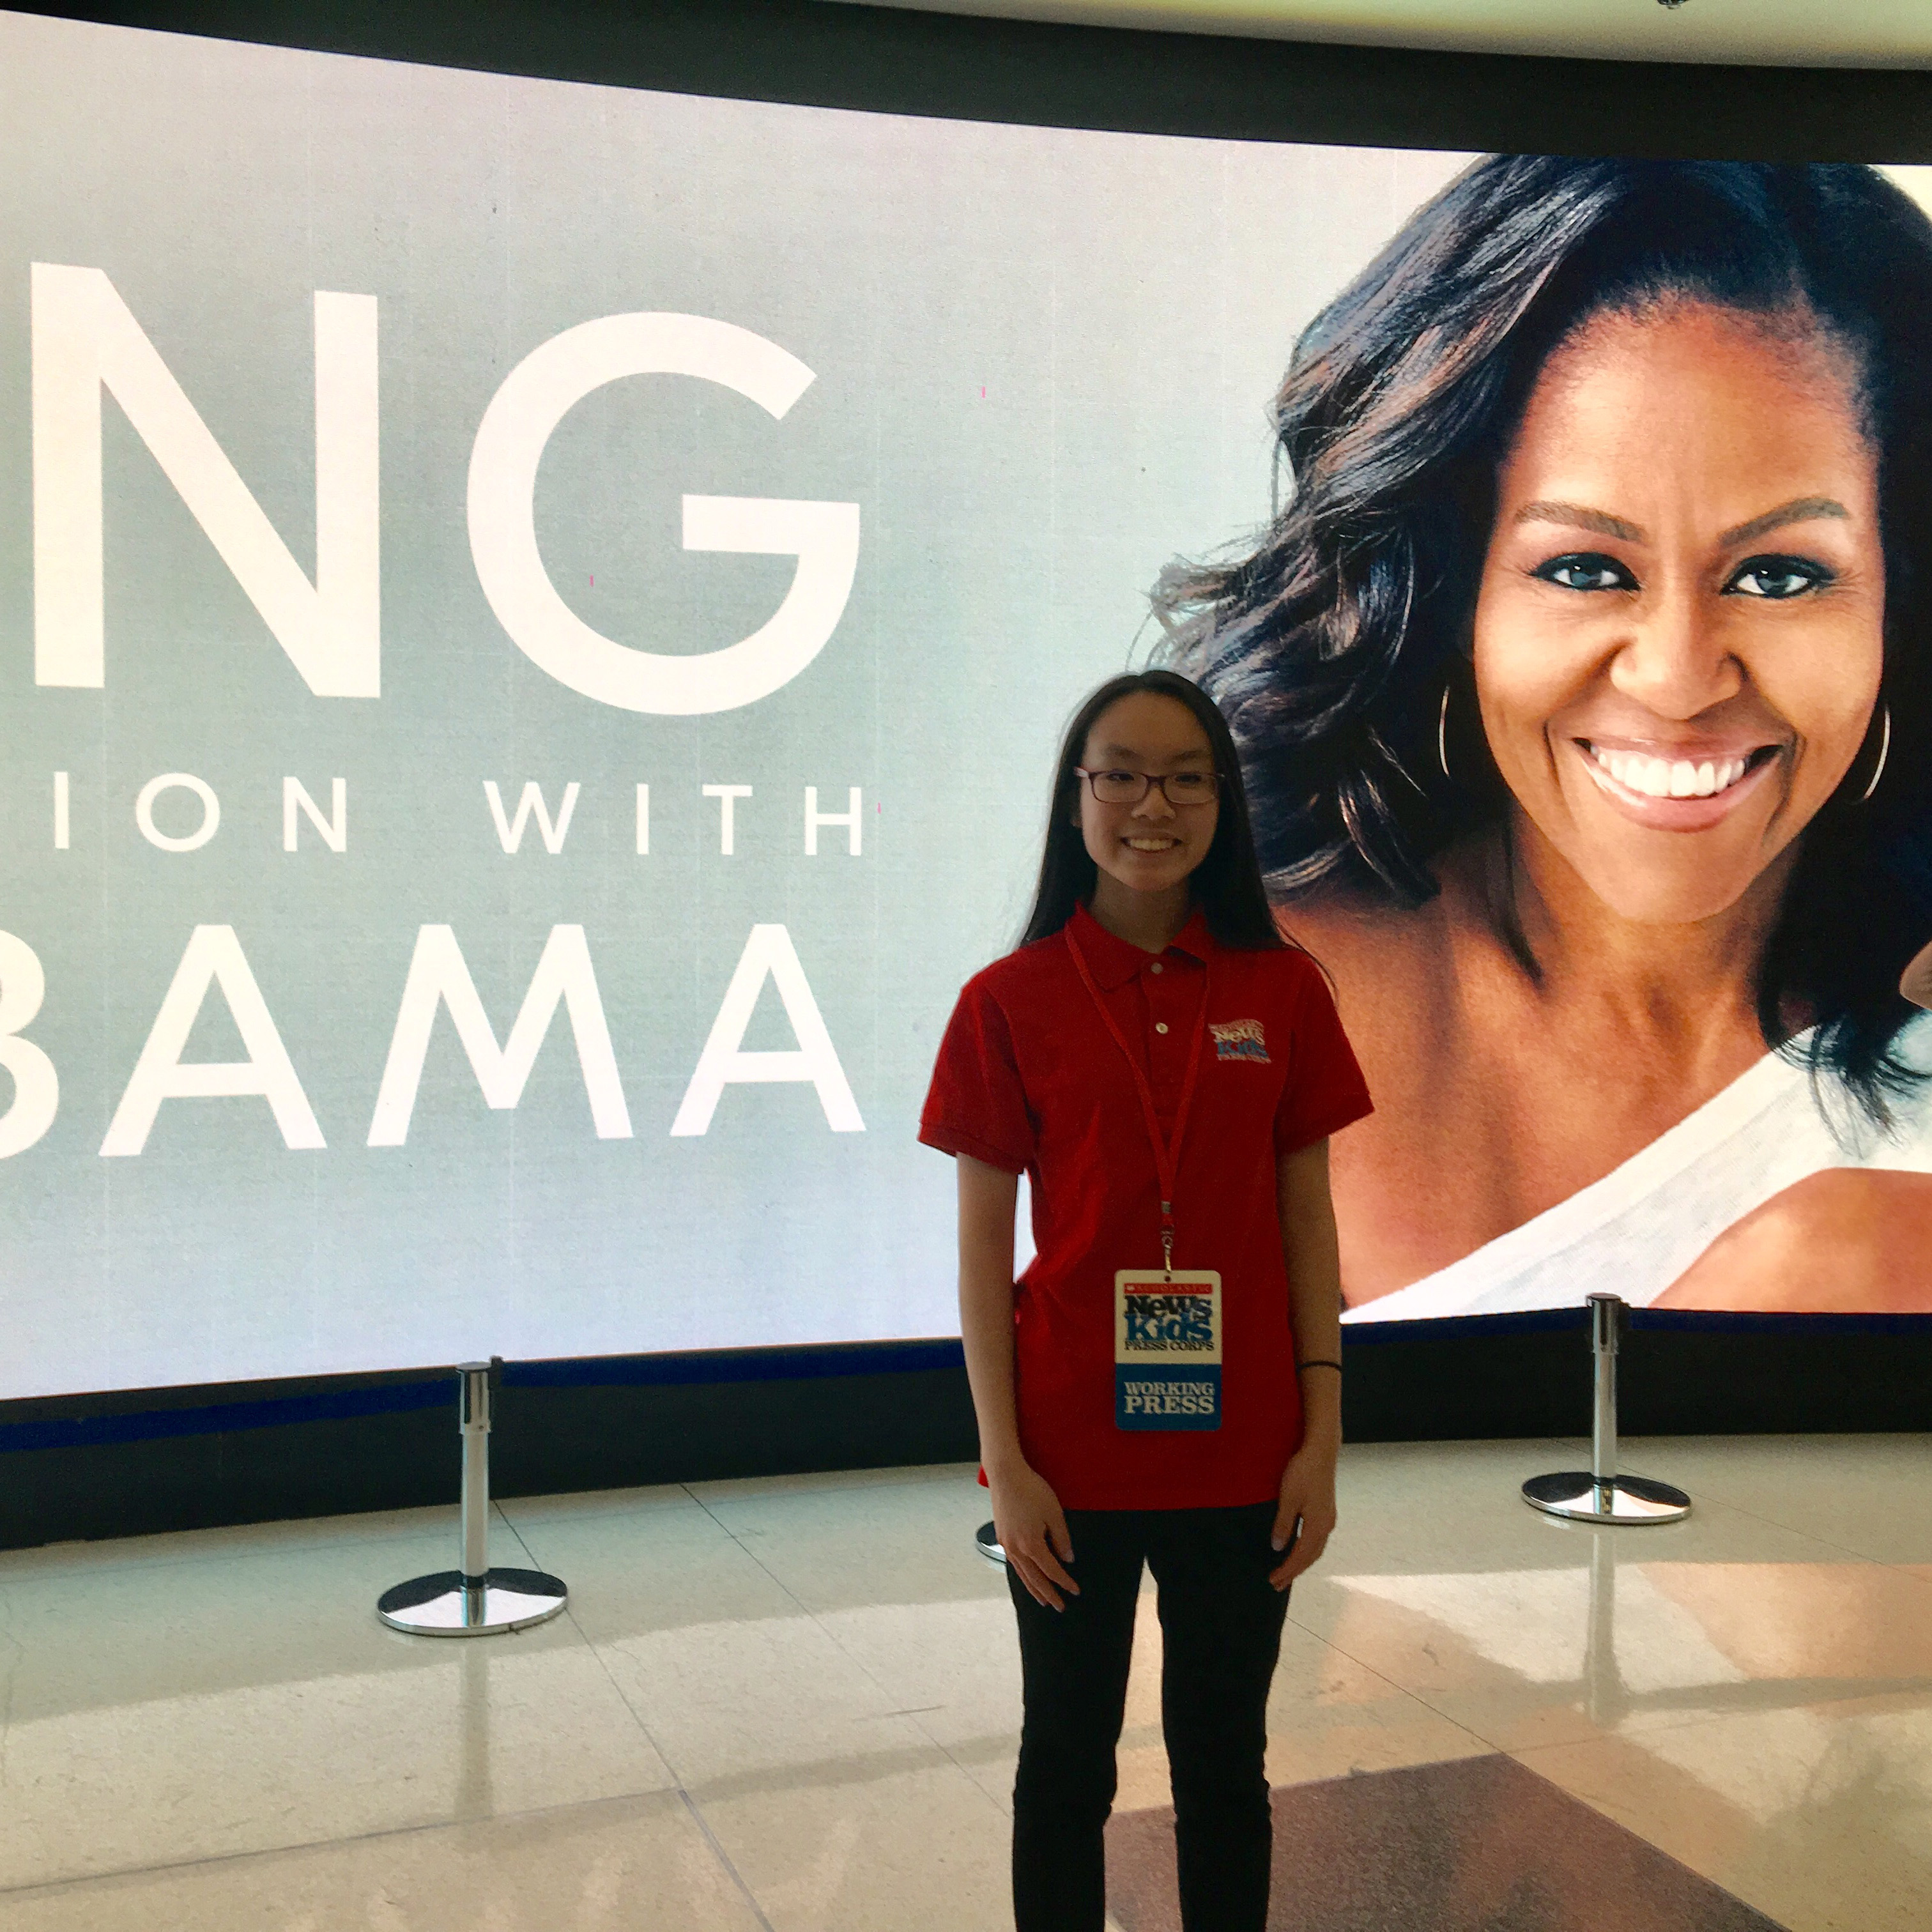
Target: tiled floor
x: 792, y: 1704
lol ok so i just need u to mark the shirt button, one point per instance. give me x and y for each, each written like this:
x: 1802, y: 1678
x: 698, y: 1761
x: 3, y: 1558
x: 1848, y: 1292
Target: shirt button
x: 1155, y: 967
x: 1160, y: 1026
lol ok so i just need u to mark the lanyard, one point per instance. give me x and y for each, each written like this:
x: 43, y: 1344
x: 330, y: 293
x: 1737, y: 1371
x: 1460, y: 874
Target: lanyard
x: 1166, y: 1152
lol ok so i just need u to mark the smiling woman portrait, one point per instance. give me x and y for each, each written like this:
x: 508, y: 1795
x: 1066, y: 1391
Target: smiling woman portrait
x: 1583, y: 685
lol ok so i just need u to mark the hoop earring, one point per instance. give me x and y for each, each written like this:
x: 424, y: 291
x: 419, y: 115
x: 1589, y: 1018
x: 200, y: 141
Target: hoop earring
x: 1442, y: 737
x: 1884, y: 750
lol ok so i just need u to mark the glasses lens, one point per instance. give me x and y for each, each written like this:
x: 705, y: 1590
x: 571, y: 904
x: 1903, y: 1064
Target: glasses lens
x: 1118, y: 787
x: 1191, y: 787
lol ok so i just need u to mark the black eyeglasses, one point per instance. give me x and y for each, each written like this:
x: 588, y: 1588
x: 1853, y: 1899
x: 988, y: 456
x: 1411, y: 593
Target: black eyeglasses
x: 1120, y: 787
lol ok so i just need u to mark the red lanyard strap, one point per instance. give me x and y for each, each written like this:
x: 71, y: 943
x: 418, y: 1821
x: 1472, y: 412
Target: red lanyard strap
x: 1166, y: 1151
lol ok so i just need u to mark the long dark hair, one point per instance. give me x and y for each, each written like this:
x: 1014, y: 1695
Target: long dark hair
x: 1331, y: 642
x: 1227, y: 883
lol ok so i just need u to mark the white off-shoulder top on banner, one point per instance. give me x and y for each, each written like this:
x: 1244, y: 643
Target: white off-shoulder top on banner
x: 1633, y: 1232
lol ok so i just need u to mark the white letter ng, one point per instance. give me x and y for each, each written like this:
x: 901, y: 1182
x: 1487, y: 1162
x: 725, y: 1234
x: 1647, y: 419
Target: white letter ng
x: 536, y: 397
x: 85, y: 339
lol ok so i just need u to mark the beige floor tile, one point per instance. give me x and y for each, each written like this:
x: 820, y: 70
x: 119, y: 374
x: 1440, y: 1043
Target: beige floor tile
x: 1819, y: 1816
x: 651, y: 1569
x: 1498, y: 1625
x: 610, y: 1867
x: 1330, y: 1715
x: 672, y: 1499
x: 954, y: 1666
x: 1546, y: 1656
x: 898, y: 1543
x: 757, y: 1698
x: 1862, y: 1493
x: 732, y: 1488
x: 149, y: 1553
x: 247, y: 1698
x: 1434, y: 1508
x: 833, y: 1670
x: 478, y: 1730
x: 729, y: 1674
x: 883, y: 1848
x: 85, y: 1636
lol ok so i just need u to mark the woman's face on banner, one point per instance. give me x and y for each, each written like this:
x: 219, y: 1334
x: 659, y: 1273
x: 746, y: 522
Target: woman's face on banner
x: 1678, y: 633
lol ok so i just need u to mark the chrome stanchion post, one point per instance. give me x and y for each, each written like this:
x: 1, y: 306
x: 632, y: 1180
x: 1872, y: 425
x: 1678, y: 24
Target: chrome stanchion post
x: 474, y: 1426
x: 1601, y: 1494
x: 474, y: 1600
x: 1604, y: 1338
x: 986, y: 1541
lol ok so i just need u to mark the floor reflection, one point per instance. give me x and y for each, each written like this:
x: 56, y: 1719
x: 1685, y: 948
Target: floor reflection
x: 1478, y: 1846
x: 1641, y: 1639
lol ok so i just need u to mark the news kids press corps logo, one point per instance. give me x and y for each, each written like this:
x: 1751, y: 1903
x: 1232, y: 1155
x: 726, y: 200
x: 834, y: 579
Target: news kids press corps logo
x: 1158, y: 1322
x: 1167, y: 1352
x: 1240, y: 1039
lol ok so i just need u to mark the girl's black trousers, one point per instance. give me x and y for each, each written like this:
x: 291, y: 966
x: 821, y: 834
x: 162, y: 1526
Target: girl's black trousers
x: 1221, y: 1633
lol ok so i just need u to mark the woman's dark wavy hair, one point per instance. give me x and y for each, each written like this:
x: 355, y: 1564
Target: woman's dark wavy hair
x: 1329, y: 644
x: 1227, y: 883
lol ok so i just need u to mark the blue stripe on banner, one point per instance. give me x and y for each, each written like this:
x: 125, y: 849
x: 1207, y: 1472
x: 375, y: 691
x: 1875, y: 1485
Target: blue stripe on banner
x: 1719, y: 1322
x: 698, y: 1367
x: 436, y: 1389
x: 153, y: 1424
x: 1458, y: 1328
x: 1667, y: 1321
x: 739, y: 1365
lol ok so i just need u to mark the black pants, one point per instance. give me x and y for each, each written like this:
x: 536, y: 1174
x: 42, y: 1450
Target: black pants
x: 1220, y: 1628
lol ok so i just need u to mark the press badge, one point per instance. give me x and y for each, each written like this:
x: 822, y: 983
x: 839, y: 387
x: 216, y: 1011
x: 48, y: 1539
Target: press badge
x: 1167, y: 1348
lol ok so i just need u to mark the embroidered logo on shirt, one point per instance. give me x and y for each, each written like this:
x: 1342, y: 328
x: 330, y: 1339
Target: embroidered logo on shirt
x: 1240, y: 1039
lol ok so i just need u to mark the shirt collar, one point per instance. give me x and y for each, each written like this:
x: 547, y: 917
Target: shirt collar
x: 1113, y: 961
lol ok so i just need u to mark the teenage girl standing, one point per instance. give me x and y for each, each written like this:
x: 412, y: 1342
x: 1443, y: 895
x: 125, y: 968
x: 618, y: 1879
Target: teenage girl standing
x: 1164, y: 1384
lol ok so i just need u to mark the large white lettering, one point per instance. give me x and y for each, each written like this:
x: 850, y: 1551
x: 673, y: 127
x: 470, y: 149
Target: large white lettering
x: 214, y: 956
x: 852, y: 818
x: 535, y: 397
x: 187, y: 841
x: 23, y: 985
x: 769, y: 953
x: 85, y: 339
x: 440, y: 976
x: 510, y: 834
x: 728, y: 796
x: 334, y: 829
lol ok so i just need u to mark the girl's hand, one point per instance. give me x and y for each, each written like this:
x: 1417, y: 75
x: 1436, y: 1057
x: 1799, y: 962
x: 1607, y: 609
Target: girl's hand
x: 1032, y: 1529
x: 1308, y: 1495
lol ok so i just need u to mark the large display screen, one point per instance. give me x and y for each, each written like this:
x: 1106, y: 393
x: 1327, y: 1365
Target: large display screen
x: 534, y: 622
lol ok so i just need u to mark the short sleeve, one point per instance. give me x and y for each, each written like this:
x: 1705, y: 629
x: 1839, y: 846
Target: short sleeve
x: 976, y: 1104
x: 1325, y: 1090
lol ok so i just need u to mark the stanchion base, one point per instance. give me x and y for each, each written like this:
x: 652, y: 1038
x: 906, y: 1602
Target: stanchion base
x: 1577, y: 1494
x: 987, y: 1543
x: 440, y: 1606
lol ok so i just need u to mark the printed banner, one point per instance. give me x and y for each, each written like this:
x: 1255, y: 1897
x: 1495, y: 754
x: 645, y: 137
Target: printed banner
x: 534, y: 621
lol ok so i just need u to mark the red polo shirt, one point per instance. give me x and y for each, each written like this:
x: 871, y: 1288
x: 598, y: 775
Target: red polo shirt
x: 1030, y: 1079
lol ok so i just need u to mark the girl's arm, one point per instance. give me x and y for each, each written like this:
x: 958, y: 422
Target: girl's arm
x: 1308, y: 1245
x: 1027, y: 1515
